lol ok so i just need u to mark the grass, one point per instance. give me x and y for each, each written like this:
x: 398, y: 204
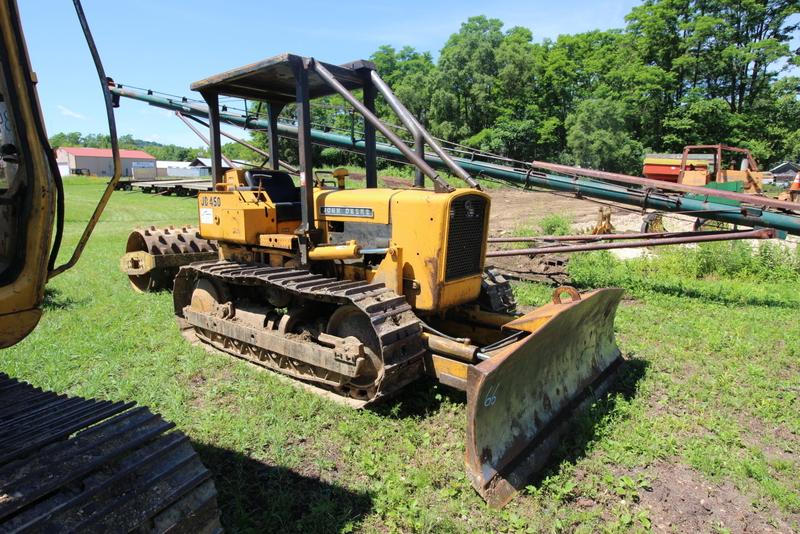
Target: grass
x: 711, y: 385
x: 555, y: 224
x: 549, y: 225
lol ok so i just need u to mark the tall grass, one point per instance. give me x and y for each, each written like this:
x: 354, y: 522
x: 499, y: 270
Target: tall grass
x: 555, y: 225
x: 731, y: 272
x: 549, y: 225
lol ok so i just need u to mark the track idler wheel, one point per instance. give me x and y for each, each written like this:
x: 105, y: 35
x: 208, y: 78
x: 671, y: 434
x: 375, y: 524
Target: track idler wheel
x: 351, y: 321
x: 210, y: 299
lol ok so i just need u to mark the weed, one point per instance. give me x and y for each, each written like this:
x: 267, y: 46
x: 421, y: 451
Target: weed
x: 555, y: 225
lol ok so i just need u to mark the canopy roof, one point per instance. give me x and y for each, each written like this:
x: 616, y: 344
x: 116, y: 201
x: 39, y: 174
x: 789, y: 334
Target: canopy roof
x: 273, y: 80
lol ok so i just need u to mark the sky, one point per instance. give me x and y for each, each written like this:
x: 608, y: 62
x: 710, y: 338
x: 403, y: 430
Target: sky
x: 166, y: 45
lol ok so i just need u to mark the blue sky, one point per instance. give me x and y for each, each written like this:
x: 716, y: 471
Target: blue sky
x: 165, y: 45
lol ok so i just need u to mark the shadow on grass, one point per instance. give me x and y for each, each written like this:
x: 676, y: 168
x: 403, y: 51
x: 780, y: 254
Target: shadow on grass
x: 583, y: 428
x: 54, y: 300
x: 588, y: 424
x: 743, y: 298
x: 728, y: 294
x: 418, y: 399
x: 258, y: 497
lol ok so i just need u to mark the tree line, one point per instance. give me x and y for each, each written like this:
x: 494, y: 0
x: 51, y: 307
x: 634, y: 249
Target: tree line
x: 680, y: 72
x: 168, y: 152
x: 162, y: 152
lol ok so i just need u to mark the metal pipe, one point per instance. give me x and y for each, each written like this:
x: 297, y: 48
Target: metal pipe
x: 658, y: 200
x: 669, y: 186
x: 413, y: 124
x: 240, y: 141
x: 335, y: 252
x: 407, y: 120
x: 726, y: 236
x: 273, y: 110
x: 370, y: 139
x: 447, y: 347
x: 212, y: 101
x: 598, y: 237
x: 307, y: 231
x: 203, y: 138
x: 419, y: 148
x: 377, y: 123
x: 112, y: 134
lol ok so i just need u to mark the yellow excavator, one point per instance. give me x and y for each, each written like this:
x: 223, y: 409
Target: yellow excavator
x: 69, y: 464
x: 359, y: 292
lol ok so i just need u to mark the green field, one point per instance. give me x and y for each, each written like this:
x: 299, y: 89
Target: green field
x: 706, y: 419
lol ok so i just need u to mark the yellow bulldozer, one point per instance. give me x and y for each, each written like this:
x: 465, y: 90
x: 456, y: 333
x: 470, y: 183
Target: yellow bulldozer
x: 358, y: 292
x: 69, y: 464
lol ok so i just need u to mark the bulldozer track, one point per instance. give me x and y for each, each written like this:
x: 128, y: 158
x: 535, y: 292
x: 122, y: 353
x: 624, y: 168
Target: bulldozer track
x: 396, y: 327
x: 69, y: 464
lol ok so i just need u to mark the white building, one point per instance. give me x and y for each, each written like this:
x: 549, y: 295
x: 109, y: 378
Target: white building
x: 174, y: 168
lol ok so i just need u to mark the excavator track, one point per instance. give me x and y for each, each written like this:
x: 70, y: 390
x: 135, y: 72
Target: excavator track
x: 69, y: 464
x: 154, y: 255
x: 395, y: 327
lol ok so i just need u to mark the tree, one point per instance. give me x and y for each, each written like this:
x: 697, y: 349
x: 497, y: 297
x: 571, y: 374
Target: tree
x: 729, y: 49
x: 696, y: 120
x: 463, y: 99
x: 597, y: 137
x: 679, y: 72
x: 65, y: 139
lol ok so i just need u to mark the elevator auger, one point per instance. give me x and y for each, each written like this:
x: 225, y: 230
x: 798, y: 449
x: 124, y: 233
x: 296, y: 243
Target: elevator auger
x: 359, y: 292
x: 746, y: 210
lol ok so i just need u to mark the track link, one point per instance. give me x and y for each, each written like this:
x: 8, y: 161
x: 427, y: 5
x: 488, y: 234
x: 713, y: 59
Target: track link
x: 69, y: 464
x: 396, y: 327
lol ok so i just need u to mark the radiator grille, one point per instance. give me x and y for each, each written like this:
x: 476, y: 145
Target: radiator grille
x: 465, y: 236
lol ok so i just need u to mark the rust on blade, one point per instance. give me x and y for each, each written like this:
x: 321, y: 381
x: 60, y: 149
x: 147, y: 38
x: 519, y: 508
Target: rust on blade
x: 519, y: 401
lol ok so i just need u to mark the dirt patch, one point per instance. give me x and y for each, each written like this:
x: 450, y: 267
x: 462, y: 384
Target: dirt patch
x: 389, y: 181
x: 546, y: 269
x: 782, y: 446
x: 515, y: 208
x: 682, y: 500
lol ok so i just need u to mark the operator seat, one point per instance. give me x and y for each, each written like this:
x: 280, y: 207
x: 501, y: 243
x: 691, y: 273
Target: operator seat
x: 280, y: 188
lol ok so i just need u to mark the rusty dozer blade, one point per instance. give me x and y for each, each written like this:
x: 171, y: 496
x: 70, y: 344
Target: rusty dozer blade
x: 520, y: 399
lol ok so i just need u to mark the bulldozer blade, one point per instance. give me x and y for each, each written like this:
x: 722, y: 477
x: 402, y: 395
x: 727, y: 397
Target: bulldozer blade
x: 520, y: 400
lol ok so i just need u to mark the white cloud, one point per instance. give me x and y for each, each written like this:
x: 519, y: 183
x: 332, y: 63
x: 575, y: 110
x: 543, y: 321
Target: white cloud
x: 69, y: 113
